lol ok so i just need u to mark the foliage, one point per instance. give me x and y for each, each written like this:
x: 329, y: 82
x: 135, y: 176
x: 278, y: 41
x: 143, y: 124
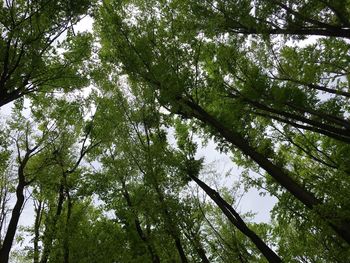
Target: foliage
x: 106, y: 126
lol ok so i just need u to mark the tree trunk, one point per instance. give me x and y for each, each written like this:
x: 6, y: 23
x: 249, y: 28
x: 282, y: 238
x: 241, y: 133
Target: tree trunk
x: 199, y: 248
x: 50, y: 229
x: 16, y: 212
x: 38, y: 212
x: 66, y: 231
x: 279, y: 174
x: 180, y: 248
x: 140, y: 232
x: 169, y: 223
x: 12, y: 227
x: 238, y: 222
x: 276, y: 172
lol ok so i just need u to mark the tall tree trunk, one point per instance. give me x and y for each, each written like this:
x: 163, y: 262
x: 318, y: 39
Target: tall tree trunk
x: 12, y: 227
x: 38, y: 216
x: 169, y: 223
x: 238, y: 222
x: 280, y: 175
x: 140, y: 232
x: 179, y: 248
x: 198, y: 246
x: 66, y: 231
x: 16, y: 212
x: 50, y: 229
x: 201, y: 254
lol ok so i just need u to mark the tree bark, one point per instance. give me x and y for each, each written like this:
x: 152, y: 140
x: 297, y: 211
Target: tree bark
x: 202, y: 255
x: 12, y: 227
x: 16, y: 212
x: 276, y: 172
x: 198, y: 246
x: 238, y: 222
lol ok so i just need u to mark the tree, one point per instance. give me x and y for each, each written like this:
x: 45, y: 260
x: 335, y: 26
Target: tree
x: 31, y: 56
x: 27, y: 149
x: 191, y: 168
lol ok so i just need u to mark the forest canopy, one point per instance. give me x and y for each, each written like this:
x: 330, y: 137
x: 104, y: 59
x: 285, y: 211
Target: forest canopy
x: 102, y: 131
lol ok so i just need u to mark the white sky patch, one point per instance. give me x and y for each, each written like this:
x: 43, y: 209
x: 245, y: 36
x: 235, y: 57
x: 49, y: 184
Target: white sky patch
x: 84, y: 25
x: 5, y: 111
x: 303, y: 43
